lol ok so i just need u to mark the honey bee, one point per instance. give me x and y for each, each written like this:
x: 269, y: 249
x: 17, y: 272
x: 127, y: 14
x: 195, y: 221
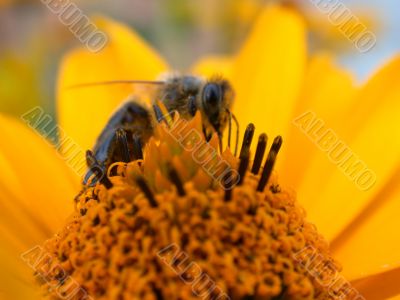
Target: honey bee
x: 131, y: 126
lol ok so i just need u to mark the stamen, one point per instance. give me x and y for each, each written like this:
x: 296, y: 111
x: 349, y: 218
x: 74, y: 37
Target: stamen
x: 269, y: 164
x: 275, y: 188
x: 142, y: 184
x: 228, y: 187
x: 122, y: 225
x: 261, y: 146
x: 247, y: 139
x: 267, y: 171
x: 228, y: 195
x: 158, y: 293
x: 243, y: 165
x: 137, y: 148
x: 175, y: 179
x: 276, y: 145
x: 122, y: 141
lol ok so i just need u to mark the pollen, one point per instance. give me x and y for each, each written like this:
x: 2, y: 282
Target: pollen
x: 189, y: 222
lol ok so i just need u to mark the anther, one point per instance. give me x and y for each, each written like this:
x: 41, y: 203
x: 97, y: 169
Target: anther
x: 144, y: 187
x: 247, y: 139
x: 175, y: 179
x: 228, y: 195
x: 269, y: 164
x: 122, y: 141
x: 258, y: 158
x: 227, y: 180
x: 276, y: 145
x: 267, y: 171
x: 275, y: 188
x: 243, y: 165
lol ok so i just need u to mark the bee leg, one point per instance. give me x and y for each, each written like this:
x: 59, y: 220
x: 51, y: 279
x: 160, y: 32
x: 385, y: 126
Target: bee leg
x: 137, y: 148
x: 158, y: 113
x: 117, y: 143
x: 220, y: 142
x: 207, y: 136
x: 114, y: 148
x: 123, y: 145
x: 91, y: 162
x: 237, y: 133
x: 96, y: 172
x: 229, y: 128
x: 232, y: 116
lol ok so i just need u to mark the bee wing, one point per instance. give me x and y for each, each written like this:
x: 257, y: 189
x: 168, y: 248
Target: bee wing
x: 113, y: 82
x: 145, y: 90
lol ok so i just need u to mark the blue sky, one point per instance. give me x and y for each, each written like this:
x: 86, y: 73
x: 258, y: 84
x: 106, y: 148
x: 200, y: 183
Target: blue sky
x: 388, y: 39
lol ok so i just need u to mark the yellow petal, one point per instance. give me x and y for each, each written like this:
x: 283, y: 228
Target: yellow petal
x: 36, y: 192
x: 8, y: 174
x: 16, y: 278
x: 327, y: 91
x: 83, y: 112
x: 374, y: 234
x: 42, y: 186
x: 381, y: 286
x: 214, y: 65
x: 19, y: 227
x: 269, y: 70
x: 332, y: 199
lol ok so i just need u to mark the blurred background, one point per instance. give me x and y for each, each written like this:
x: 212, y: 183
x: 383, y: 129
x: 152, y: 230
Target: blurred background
x: 32, y: 39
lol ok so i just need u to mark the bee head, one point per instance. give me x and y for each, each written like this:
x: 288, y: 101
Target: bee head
x: 216, y: 100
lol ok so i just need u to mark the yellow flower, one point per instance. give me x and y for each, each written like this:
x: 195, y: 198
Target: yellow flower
x: 138, y: 237
x: 275, y: 83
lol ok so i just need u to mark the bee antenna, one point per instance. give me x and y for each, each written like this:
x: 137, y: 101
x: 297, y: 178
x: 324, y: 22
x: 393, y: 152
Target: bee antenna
x: 237, y: 132
x: 229, y: 127
x: 220, y: 142
x: 110, y: 82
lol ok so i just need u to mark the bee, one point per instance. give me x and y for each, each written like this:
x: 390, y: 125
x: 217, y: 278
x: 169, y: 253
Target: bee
x: 131, y: 126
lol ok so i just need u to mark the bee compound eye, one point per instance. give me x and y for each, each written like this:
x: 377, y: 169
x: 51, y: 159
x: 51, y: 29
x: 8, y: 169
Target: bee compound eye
x: 212, y: 97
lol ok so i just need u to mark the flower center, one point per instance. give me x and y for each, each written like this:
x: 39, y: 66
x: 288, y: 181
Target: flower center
x: 187, y: 223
